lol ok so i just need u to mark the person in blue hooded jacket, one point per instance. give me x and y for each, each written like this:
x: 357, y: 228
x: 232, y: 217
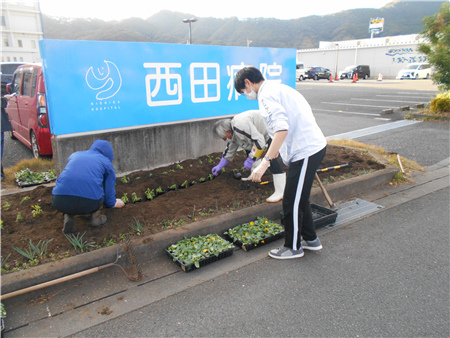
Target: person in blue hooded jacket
x: 87, y: 183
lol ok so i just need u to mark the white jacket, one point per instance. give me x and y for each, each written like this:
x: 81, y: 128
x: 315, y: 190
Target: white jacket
x: 248, y: 129
x: 284, y: 108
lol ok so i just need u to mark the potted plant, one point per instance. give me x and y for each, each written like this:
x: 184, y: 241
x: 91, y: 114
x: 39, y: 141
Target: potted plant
x: 253, y: 234
x: 195, y: 252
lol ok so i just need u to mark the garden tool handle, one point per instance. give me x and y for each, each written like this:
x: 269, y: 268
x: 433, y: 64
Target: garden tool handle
x: 266, y: 182
x: 349, y: 164
x: 53, y: 282
x: 325, y: 193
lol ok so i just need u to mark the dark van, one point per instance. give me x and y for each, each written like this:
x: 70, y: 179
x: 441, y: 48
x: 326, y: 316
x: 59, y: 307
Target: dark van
x: 363, y: 72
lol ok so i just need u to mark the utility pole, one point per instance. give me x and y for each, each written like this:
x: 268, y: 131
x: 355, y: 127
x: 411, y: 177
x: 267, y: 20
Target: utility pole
x: 249, y: 42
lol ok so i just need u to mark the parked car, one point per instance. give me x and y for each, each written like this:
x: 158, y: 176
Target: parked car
x: 7, y: 71
x: 300, y: 71
x: 27, y: 109
x: 421, y: 70
x: 317, y: 73
x: 363, y: 72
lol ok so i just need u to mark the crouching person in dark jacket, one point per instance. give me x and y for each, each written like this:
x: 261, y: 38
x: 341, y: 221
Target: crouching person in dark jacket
x: 86, y: 184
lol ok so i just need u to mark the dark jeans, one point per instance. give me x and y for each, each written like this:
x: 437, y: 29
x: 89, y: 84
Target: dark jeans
x: 298, y: 220
x: 3, y: 144
x: 74, y: 205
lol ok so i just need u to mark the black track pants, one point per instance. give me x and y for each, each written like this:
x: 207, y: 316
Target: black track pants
x: 298, y: 220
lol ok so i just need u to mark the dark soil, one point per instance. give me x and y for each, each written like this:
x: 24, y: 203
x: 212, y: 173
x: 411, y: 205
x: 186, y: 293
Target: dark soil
x: 174, y: 208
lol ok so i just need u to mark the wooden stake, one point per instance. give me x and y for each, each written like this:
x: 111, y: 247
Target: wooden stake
x: 400, y: 162
x: 325, y: 193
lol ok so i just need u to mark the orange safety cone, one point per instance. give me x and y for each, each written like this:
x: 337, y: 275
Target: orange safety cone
x: 331, y: 78
x: 354, y: 78
x: 380, y: 77
x: 336, y: 78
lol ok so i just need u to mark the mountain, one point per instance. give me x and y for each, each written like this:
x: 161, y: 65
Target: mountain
x: 167, y: 26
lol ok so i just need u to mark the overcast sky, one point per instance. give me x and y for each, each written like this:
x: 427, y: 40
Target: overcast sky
x: 279, y: 9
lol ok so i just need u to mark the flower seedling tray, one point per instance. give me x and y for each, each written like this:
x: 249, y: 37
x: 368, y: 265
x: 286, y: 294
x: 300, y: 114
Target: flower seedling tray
x: 27, y: 178
x: 256, y: 229
x: 322, y: 216
x: 207, y: 257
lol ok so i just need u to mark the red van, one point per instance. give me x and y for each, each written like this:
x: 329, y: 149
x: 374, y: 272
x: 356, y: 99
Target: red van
x: 27, y: 109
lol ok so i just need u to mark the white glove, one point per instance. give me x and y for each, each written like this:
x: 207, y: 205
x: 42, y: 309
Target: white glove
x: 258, y: 173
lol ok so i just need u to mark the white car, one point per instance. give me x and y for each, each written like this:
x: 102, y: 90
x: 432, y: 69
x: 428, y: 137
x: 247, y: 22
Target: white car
x: 415, y: 71
x: 300, y: 71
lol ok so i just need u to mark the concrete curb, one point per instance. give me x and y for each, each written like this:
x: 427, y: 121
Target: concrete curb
x: 152, y: 246
x: 422, y: 116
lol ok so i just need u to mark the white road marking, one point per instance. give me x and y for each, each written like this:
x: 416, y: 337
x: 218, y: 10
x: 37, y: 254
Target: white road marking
x: 345, y: 112
x: 372, y: 130
x: 381, y: 118
x: 416, y: 97
x: 359, y: 105
x: 383, y: 100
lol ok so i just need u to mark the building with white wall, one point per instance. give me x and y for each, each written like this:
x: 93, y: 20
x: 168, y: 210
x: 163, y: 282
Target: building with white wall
x: 21, y: 26
x: 386, y: 55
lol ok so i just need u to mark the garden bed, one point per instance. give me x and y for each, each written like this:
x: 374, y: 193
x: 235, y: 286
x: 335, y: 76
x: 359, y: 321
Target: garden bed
x: 172, y: 209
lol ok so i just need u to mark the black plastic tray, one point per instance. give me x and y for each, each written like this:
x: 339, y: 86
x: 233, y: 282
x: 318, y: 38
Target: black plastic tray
x: 26, y: 185
x: 251, y: 246
x: 203, y: 261
x: 322, y: 216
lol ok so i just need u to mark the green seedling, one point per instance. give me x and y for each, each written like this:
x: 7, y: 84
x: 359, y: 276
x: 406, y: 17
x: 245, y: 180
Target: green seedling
x: 4, y: 261
x: 6, y: 206
x: 210, y: 159
x: 171, y: 171
x: 185, y: 184
x: 235, y: 170
x: 173, y: 187
x: 137, y: 227
x: 179, y: 167
x: 138, y: 178
x: 159, y: 190
x: 134, y: 198
x: 193, y: 182
x: 165, y: 173
x: 200, y: 162
x: 190, y: 165
x: 110, y: 242
x: 37, y: 210
x: 150, y: 175
x: 124, y: 198
x: 78, y: 243
x: 150, y: 194
x: 125, y: 179
x: 222, y: 171
x: 201, y: 180
x: 210, y: 177
x: 19, y: 217
x: 124, y: 236
x: 1, y: 224
x: 26, y: 198
x: 41, y: 248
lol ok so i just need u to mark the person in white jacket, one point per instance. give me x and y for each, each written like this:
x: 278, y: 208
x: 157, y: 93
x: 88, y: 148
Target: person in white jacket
x: 247, y: 130
x: 297, y: 138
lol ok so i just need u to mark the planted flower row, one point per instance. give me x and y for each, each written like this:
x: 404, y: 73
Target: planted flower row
x: 28, y: 177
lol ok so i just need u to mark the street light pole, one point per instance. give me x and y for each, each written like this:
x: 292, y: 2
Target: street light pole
x: 337, y: 52
x: 189, y: 21
x: 249, y: 42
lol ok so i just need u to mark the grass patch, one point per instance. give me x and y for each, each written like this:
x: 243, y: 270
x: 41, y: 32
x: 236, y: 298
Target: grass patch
x: 34, y: 164
x: 408, y: 165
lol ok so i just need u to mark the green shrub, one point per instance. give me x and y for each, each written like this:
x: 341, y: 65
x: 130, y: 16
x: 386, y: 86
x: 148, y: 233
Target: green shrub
x: 441, y: 103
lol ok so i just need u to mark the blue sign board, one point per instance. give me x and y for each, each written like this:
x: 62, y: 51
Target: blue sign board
x: 98, y: 85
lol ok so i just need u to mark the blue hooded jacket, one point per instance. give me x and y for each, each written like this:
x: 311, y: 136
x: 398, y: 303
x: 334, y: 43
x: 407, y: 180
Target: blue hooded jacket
x: 89, y: 174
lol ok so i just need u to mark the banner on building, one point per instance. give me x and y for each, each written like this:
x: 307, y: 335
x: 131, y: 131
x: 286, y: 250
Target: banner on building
x: 99, y: 85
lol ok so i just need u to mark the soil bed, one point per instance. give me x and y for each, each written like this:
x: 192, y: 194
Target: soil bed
x: 172, y: 209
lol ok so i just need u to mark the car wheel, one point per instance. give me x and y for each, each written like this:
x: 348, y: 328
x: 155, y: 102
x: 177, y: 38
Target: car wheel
x: 11, y: 134
x: 301, y: 78
x: 316, y: 78
x: 366, y: 77
x: 417, y: 76
x: 34, y: 145
x: 428, y: 76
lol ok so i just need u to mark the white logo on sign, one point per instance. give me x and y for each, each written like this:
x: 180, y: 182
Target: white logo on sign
x: 106, y: 80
